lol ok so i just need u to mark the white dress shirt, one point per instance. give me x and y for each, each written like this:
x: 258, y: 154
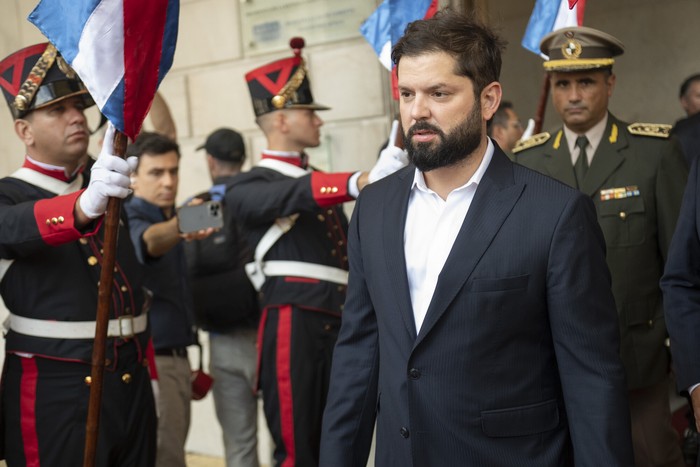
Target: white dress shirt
x: 432, y: 225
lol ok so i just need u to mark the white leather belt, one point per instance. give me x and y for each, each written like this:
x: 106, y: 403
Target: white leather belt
x: 257, y: 272
x: 125, y: 327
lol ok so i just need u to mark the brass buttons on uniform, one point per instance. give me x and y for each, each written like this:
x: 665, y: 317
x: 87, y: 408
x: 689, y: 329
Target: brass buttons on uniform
x: 92, y: 261
x: 61, y: 219
x: 124, y: 288
x: 83, y: 241
x: 108, y: 362
x: 623, y: 215
x: 329, y: 189
x: 88, y: 380
x: 54, y: 220
x: 327, y: 327
x: 321, y: 218
x: 126, y: 378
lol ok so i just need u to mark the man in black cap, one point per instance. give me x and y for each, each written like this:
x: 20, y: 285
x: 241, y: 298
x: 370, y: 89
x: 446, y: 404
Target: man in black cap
x: 225, y: 305
x: 636, y: 178
x: 50, y: 261
x: 293, y: 219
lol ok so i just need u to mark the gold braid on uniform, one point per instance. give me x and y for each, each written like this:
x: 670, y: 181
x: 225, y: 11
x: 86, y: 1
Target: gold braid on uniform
x: 658, y: 130
x: 286, y: 93
x: 532, y: 141
x: 35, y: 78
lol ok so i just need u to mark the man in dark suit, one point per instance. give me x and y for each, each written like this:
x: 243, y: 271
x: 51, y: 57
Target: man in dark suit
x: 681, y: 288
x: 479, y: 327
x: 635, y: 177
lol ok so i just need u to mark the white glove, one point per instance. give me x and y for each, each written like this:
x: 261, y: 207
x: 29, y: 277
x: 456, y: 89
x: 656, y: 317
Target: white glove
x: 109, y: 177
x: 390, y: 159
x: 529, y: 130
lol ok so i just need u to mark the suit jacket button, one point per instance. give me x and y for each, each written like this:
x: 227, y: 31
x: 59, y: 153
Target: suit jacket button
x: 413, y: 373
x: 404, y: 432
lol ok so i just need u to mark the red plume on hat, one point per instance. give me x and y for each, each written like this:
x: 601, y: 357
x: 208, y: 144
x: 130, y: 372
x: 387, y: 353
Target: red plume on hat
x: 282, y: 84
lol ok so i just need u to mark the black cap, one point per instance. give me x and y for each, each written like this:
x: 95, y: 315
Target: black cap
x: 37, y: 76
x: 225, y: 144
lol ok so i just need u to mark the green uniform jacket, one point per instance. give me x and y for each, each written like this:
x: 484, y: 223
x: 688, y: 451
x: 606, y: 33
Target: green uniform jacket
x: 636, y: 182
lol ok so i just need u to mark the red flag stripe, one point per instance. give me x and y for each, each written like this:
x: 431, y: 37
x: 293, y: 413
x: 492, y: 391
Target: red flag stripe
x: 141, y: 66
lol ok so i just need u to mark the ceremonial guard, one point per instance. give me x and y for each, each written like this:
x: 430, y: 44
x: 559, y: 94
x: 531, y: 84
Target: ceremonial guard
x: 51, y: 252
x: 294, y: 221
x: 635, y: 176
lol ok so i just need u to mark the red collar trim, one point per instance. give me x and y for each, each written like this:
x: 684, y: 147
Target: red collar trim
x: 57, y: 173
x: 299, y: 161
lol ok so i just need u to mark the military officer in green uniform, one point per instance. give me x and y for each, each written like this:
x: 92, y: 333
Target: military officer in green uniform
x: 635, y: 176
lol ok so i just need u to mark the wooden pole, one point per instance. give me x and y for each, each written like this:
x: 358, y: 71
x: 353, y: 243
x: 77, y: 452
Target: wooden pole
x: 542, y: 105
x: 104, y: 299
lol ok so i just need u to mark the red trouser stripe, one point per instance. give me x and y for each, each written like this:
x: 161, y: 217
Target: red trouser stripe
x: 284, y: 382
x: 27, y: 402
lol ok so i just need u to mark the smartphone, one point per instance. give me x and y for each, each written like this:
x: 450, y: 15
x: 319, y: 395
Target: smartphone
x: 200, y: 216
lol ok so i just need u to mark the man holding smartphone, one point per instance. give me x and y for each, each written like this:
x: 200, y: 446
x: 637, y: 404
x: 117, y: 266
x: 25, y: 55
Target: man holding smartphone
x: 154, y: 231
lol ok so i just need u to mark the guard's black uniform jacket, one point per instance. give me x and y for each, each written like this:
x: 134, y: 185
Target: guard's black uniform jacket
x: 50, y: 271
x: 301, y: 315
x: 55, y: 269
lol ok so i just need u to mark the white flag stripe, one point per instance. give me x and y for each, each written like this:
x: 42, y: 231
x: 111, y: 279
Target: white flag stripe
x: 385, y: 56
x: 100, y: 57
x: 565, y: 16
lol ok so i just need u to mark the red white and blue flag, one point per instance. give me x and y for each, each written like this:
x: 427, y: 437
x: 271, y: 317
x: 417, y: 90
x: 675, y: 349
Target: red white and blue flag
x: 548, y: 16
x: 387, y: 24
x: 121, y: 49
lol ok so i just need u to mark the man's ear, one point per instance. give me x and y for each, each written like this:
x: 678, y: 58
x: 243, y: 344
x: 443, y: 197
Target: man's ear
x: 25, y: 131
x: 490, y: 99
x: 280, y: 121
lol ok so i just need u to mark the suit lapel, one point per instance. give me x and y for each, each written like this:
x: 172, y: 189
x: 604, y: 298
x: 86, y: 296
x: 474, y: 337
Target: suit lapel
x: 394, y: 223
x: 558, y: 160
x: 494, y: 199
x: 607, y: 157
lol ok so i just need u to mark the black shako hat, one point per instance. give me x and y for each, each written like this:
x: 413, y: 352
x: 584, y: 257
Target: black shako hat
x: 283, y: 84
x: 37, y: 76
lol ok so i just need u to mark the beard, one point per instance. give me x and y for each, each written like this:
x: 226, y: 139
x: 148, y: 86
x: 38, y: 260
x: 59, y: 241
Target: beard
x: 450, y: 148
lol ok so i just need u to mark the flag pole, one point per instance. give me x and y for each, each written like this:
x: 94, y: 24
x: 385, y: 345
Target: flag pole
x: 542, y: 104
x: 104, y: 299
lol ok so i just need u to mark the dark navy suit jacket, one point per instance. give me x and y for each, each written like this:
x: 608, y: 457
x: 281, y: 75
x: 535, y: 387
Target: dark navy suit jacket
x: 681, y: 286
x: 517, y: 362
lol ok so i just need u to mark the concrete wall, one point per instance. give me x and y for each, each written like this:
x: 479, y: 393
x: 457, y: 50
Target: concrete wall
x: 206, y: 90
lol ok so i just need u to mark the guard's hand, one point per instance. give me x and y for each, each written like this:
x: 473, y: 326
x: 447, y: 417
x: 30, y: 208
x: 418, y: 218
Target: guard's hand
x: 390, y: 159
x: 109, y: 177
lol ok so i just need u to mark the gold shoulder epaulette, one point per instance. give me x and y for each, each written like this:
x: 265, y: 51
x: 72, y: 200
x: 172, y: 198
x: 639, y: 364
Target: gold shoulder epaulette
x: 532, y: 141
x: 659, y: 130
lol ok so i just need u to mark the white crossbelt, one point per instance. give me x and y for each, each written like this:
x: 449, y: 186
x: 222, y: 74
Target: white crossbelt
x: 125, y: 327
x: 259, y: 269
x: 296, y: 269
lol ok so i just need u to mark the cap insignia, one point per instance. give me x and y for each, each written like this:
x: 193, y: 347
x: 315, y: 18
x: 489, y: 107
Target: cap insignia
x: 288, y: 90
x: 65, y: 67
x: 571, y: 49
